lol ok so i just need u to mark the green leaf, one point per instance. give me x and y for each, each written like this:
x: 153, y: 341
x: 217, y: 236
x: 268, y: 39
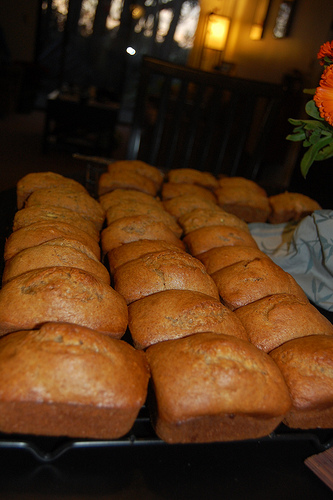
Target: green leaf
x: 296, y: 137
x: 312, y: 110
x: 311, y: 154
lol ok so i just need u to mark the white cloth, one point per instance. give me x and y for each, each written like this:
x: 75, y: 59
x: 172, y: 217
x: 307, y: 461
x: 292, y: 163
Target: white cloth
x: 305, y: 250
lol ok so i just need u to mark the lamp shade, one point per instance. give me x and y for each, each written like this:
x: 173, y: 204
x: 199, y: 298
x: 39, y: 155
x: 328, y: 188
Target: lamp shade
x: 216, y: 32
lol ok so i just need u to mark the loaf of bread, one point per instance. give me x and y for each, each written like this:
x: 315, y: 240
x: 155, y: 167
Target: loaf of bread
x: 40, y: 232
x: 136, y: 227
x: 306, y: 365
x: 174, y: 314
x: 139, y: 167
x: 219, y: 257
x: 119, y: 179
x: 287, y: 207
x: 275, y: 319
x: 57, y: 252
x: 128, y: 209
x: 181, y: 205
x: 241, y: 183
x: 136, y: 249
x: 78, y: 201
x: 205, y: 238
x: 159, y: 271
x: 247, y: 202
x: 31, y: 215
x: 246, y: 281
x: 41, y: 180
x: 214, y: 387
x: 112, y: 198
x: 173, y: 189
x: 192, y: 176
x: 201, y: 217
x: 67, y: 380
x: 64, y: 294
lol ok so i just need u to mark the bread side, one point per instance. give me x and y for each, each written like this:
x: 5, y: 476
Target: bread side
x: 67, y: 380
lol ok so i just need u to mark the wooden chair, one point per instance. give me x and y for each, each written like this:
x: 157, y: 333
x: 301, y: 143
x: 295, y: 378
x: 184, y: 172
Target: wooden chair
x: 186, y: 117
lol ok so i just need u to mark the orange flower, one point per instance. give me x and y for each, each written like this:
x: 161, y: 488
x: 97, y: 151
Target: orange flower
x: 326, y: 51
x: 324, y: 95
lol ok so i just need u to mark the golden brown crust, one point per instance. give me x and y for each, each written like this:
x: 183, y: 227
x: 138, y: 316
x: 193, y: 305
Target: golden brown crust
x: 246, y: 281
x: 136, y: 249
x: 49, y: 254
x: 67, y: 380
x: 219, y: 257
x: 134, y: 228
x: 34, y: 214
x: 306, y: 364
x: 206, y: 380
x: 205, y: 238
x: 64, y: 294
x: 241, y: 183
x: 41, y: 180
x: 129, y: 209
x: 174, y: 314
x: 291, y: 207
x: 139, y: 167
x: 158, y: 271
x: 275, y: 319
x: 41, y: 232
x: 248, y: 205
x: 201, y: 217
x: 78, y: 201
x: 109, y: 181
x: 192, y: 176
x: 112, y: 198
x: 173, y: 189
x: 181, y: 205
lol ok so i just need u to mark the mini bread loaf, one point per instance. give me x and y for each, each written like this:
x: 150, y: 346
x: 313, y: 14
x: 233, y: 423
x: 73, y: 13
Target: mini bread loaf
x: 291, y: 207
x: 67, y: 380
x: 209, y: 387
x: 31, y: 215
x: 247, y: 204
x: 165, y: 270
x: 139, y: 167
x: 205, y: 238
x: 64, y: 294
x: 173, y: 189
x: 136, y: 227
x: 201, y: 217
x: 220, y: 257
x: 306, y: 365
x: 49, y: 254
x: 181, y: 205
x: 78, y: 201
x: 112, y: 198
x: 275, y: 319
x: 128, y: 209
x: 41, y: 180
x: 246, y: 281
x: 136, y: 249
x: 118, y: 179
x: 241, y: 183
x: 40, y: 232
x: 192, y: 176
x: 174, y: 314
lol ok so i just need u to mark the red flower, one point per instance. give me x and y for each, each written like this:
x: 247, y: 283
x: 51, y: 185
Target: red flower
x: 324, y: 95
x: 325, y: 53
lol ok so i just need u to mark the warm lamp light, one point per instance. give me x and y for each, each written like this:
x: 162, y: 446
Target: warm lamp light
x: 217, y: 32
x: 256, y: 31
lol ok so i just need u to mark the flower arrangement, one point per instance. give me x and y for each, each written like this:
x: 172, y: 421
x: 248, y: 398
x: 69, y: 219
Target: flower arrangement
x: 317, y: 132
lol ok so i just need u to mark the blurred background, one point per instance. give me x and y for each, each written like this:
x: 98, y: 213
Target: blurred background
x: 89, y: 51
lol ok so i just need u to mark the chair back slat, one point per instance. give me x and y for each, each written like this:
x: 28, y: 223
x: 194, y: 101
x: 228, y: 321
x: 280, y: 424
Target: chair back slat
x: 186, y: 117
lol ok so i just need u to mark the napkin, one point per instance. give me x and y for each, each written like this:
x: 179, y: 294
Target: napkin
x: 303, y: 249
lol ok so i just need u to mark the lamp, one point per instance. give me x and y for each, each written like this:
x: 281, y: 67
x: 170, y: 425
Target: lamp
x: 216, y: 34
